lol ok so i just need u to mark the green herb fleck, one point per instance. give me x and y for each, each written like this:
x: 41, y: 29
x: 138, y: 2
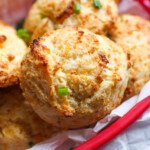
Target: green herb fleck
x: 97, y: 4
x: 77, y: 8
x: 23, y: 34
x: 63, y: 91
x: 30, y: 144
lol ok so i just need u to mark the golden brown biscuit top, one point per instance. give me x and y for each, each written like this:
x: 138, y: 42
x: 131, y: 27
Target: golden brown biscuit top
x: 82, y: 13
x: 84, y: 63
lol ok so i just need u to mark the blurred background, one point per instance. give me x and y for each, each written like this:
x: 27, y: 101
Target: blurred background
x: 12, y: 11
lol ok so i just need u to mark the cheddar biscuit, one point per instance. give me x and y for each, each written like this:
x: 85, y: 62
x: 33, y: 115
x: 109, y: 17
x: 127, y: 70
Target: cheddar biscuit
x: 133, y: 34
x: 75, y: 79
x: 12, y: 50
x: 20, y: 127
x: 46, y: 15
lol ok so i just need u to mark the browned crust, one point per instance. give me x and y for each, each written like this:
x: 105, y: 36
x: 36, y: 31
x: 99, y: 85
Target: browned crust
x: 3, y: 38
x: 8, y: 80
x: 35, y: 48
x: 11, y: 57
x: 56, y: 68
x: 66, y: 13
x: 3, y: 65
x: 99, y: 78
x: 117, y: 1
x: 103, y: 58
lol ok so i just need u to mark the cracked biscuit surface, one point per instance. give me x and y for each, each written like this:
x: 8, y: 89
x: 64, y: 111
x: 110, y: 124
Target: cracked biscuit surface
x: 133, y: 34
x: 47, y: 15
x: 73, y: 77
x: 20, y: 126
x: 12, y: 50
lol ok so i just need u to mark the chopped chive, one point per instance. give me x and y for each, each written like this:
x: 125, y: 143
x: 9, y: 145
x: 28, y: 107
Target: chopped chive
x: 63, y: 91
x: 77, y: 8
x: 97, y: 4
x: 23, y: 34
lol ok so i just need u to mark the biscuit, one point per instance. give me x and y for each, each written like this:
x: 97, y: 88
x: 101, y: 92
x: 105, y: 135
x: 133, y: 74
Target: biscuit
x: 47, y: 15
x: 73, y: 77
x: 20, y: 126
x: 12, y: 50
x: 133, y: 34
